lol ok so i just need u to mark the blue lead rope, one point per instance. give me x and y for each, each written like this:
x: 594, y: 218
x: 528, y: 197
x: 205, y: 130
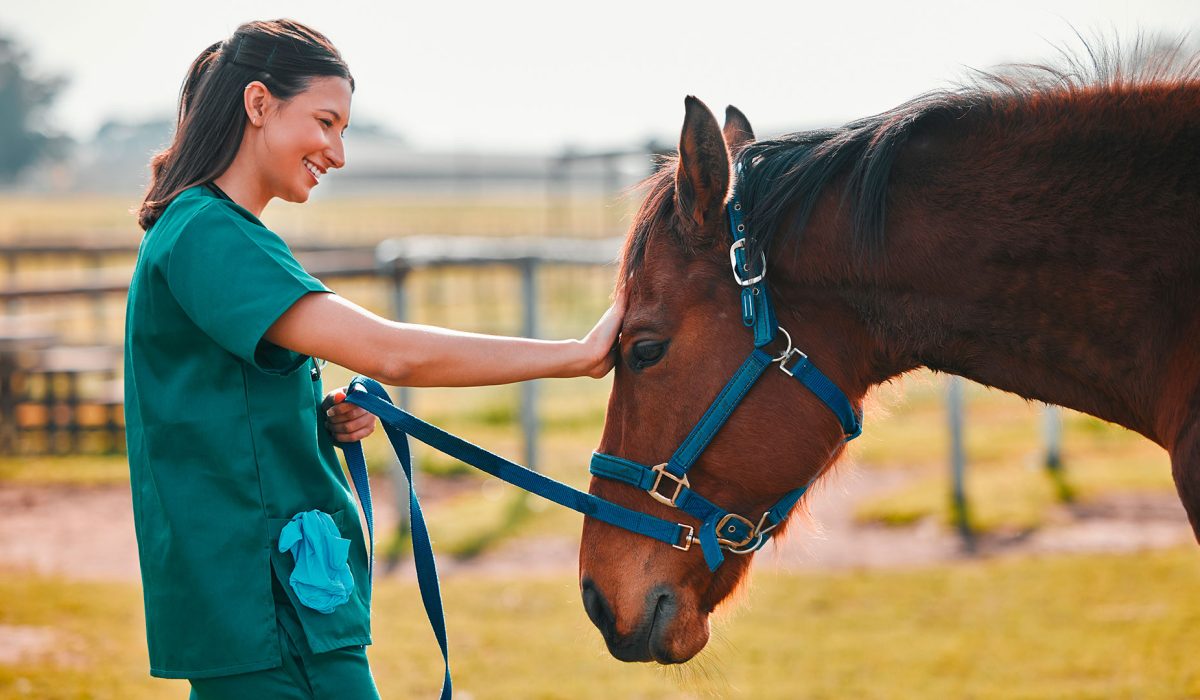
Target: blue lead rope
x: 399, y: 424
x: 362, y: 388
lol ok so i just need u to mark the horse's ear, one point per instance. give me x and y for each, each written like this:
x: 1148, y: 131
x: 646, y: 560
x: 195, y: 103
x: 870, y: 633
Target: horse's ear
x: 737, y: 131
x: 702, y: 179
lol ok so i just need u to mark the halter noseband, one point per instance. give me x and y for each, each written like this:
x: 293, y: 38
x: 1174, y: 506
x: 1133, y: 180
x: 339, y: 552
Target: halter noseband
x: 667, y: 483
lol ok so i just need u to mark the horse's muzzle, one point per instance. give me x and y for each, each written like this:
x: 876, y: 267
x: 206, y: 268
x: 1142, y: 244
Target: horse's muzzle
x: 647, y: 641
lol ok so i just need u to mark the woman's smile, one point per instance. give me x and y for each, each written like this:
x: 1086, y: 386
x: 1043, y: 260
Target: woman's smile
x: 313, y: 170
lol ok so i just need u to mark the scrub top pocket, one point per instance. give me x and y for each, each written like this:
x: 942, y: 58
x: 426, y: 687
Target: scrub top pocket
x: 349, y: 624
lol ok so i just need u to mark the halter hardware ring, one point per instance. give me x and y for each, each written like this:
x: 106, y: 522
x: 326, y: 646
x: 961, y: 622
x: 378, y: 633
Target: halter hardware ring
x: 763, y: 531
x: 728, y: 524
x: 688, y: 539
x: 737, y: 275
x: 789, y: 353
x: 756, y: 543
x: 681, y: 482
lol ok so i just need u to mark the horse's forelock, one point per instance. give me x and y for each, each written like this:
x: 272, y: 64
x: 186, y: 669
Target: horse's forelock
x: 656, y: 211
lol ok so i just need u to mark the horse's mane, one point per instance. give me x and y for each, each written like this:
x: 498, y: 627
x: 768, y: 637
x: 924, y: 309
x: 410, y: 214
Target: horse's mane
x: 785, y: 176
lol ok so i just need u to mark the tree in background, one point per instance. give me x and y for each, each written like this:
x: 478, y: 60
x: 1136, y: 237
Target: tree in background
x: 24, y: 100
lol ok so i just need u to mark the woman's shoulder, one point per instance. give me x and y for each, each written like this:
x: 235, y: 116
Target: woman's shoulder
x: 197, y: 214
x: 196, y: 206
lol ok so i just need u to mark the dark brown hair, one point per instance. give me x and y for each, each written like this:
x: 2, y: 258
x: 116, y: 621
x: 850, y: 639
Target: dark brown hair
x: 283, y: 54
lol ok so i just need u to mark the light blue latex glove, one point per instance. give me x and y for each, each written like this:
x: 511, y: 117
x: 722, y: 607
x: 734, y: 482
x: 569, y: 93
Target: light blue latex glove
x: 322, y: 579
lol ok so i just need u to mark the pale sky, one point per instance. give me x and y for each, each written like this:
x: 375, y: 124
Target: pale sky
x: 537, y: 75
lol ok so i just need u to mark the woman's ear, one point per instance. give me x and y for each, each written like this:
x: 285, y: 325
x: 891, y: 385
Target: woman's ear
x: 257, y: 99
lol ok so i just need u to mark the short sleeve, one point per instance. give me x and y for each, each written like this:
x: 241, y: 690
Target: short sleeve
x: 234, y: 279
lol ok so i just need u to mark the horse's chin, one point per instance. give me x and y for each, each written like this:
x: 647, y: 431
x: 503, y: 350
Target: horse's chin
x: 679, y: 638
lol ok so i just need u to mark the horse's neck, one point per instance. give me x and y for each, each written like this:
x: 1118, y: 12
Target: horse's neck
x: 1071, y: 282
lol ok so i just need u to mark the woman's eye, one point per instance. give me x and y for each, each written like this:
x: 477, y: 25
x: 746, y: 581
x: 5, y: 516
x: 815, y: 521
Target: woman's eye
x: 327, y: 122
x: 647, y: 352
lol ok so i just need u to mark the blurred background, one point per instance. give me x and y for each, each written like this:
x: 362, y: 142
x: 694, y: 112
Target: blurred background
x: 971, y: 545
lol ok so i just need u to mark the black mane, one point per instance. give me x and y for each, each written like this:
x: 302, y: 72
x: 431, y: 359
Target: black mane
x: 789, y: 173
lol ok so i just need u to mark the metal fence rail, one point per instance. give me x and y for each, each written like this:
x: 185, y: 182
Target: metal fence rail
x: 97, y: 283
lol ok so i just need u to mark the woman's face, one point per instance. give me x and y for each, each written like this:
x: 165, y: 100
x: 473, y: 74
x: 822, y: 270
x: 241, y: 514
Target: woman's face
x: 304, y: 135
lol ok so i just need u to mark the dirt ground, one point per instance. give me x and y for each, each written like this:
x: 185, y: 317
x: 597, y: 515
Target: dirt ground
x: 87, y: 533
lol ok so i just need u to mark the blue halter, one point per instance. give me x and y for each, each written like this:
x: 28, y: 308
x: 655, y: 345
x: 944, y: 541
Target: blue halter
x: 667, y: 483
x: 719, y: 529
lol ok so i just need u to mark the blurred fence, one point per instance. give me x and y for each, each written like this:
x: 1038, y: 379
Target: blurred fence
x: 61, y: 334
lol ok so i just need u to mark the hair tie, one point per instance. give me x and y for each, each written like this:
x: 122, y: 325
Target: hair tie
x: 237, y: 52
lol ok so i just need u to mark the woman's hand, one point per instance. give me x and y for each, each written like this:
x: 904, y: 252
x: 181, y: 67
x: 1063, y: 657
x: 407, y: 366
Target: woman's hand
x: 345, y: 421
x: 598, y: 344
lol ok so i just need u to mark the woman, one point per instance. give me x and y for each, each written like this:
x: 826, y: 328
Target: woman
x: 222, y: 393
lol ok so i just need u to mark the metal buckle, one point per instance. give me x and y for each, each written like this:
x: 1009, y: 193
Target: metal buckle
x: 737, y: 275
x: 726, y: 526
x: 787, y: 357
x: 687, y: 539
x: 680, y: 483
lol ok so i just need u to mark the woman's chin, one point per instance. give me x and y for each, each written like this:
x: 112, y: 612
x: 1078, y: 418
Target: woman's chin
x: 299, y: 196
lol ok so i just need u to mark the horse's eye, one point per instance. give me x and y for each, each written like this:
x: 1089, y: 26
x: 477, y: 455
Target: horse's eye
x: 646, y: 353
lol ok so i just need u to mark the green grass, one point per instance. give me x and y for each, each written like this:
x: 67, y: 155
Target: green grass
x: 1078, y: 627
x: 74, y: 470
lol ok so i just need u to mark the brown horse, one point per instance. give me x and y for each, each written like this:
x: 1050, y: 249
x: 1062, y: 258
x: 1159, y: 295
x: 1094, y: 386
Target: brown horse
x: 1038, y: 232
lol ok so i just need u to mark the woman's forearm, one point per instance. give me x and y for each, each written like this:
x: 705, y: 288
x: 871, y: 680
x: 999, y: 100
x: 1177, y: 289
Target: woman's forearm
x: 432, y: 356
x: 407, y: 354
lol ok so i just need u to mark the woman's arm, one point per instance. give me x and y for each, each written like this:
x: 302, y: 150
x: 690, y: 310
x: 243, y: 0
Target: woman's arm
x: 405, y: 354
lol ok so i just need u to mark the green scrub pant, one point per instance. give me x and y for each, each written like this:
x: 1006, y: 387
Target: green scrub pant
x: 341, y: 673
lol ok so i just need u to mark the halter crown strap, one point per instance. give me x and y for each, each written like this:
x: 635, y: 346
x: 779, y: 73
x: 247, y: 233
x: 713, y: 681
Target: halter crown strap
x: 757, y: 311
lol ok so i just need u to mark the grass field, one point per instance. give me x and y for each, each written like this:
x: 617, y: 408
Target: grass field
x: 1071, y: 627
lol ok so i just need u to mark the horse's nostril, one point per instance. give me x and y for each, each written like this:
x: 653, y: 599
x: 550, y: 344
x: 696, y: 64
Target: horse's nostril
x: 597, y: 608
x: 665, y: 608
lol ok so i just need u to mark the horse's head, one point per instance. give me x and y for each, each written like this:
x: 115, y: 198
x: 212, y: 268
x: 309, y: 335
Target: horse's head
x: 683, y: 337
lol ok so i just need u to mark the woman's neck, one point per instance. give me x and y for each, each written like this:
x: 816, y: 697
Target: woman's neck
x: 244, y: 187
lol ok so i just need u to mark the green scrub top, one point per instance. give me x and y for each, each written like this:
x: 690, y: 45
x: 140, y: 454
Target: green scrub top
x: 225, y: 443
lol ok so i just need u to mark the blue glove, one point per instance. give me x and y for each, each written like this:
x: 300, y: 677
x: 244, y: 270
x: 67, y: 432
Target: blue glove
x: 322, y: 579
